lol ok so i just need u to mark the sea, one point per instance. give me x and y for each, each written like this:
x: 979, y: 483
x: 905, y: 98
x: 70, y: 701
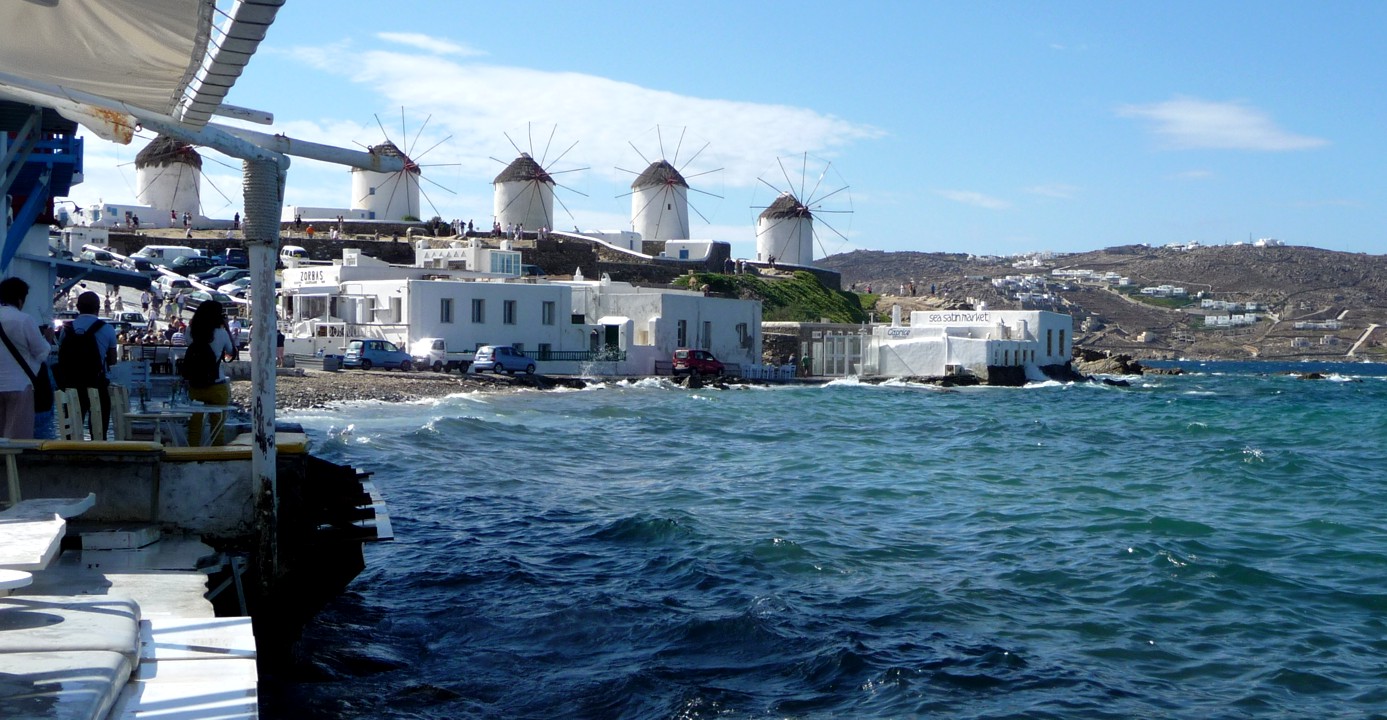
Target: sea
x: 1204, y: 545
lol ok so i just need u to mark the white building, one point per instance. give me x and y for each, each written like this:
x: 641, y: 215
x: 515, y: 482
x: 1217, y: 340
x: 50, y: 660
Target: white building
x: 576, y: 326
x: 946, y: 342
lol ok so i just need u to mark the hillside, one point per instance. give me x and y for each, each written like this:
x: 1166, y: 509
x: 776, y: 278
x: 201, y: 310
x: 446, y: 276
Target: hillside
x: 1337, y: 298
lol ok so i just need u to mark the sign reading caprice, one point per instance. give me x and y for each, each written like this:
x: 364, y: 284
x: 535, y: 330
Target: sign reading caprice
x: 898, y: 332
x: 959, y: 317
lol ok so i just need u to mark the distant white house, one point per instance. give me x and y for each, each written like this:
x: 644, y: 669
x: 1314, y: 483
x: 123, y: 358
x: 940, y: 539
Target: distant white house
x: 937, y: 342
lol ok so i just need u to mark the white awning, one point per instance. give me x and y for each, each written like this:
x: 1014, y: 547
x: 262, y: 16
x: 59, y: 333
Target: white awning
x: 163, y: 57
x: 613, y: 320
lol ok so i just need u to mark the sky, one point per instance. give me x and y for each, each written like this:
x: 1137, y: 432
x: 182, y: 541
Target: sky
x: 993, y: 128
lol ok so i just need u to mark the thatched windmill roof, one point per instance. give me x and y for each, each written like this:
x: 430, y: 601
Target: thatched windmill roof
x: 786, y: 206
x: 659, y: 173
x: 164, y: 150
x: 389, y: 149
x: 524, y: 169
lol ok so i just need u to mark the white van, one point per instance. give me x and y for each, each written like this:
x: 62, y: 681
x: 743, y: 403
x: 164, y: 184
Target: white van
x: 292, y: 256
x: 164, y: 254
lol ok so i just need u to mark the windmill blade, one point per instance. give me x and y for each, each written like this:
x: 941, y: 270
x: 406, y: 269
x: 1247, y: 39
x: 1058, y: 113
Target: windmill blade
x: 576, y: 192
x: 695, y: 157
x: 625, y: 194
x: 415, y: 158
x: 559, y: 200
x: 818, y: 182
x: 548, y: 143
x: 633, y: 172
x: 700, y: 215
x: 826, y: 224
x: 562, y: 154
x: 638, y: 152
x: 679, y: 146
x: 395, y: 182
x: 705, y: 192
x: 385, y: 134
x: 415, y: 141
x: 803, y: 168
x: 705, y: 172
x: 835, y: 192
x: 561, y: 172
x: 440, y: 187
x: 430, y: 201
x: 776, y: 189
x: 518, y: 151
x: 404, y: 133
x: 783, y: 172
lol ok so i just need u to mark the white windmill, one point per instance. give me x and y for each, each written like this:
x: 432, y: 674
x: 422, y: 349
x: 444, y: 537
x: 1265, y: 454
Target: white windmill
x: 660, y: 194
x: 524, y: 191
x: 393, y: 196
x: 168, y: 176
x: 785, y: 229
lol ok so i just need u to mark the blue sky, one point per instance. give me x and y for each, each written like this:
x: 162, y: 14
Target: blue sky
x: 983, y: 127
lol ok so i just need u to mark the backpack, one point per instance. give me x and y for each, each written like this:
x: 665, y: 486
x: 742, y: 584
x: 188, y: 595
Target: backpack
x: 80, y: 363
x: 200, y: 365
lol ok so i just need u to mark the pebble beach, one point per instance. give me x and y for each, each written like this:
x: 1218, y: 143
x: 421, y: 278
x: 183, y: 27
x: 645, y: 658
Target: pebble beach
x: 319, y: 389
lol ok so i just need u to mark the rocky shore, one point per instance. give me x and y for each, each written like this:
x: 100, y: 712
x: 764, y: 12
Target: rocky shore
x: 317, y: 389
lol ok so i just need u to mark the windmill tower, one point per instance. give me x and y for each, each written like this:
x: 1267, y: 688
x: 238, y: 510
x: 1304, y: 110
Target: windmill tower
x: 168, y: 175
x: 524, y: 191
x: 524, y: 195
x: 660, y: 203
x: 660, y: 194
x: 785, y: 229
x: 387, y: 196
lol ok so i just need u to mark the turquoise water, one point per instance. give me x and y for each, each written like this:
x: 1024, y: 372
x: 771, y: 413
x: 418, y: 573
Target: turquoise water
x: 1203, y: 545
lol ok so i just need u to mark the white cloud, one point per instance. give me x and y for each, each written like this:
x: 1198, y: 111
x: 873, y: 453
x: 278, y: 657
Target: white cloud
x: 1054, y: 190
x: 431, y: 44
x: 1194, y: 175
x: 1191, y: 123
x: 976, y: 199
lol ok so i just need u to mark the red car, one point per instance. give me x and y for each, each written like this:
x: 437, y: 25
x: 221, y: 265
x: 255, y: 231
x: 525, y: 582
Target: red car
x: 695, y: 362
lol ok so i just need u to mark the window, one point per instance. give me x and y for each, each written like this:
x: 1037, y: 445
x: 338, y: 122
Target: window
x: 546, y: 312
x: 578, y: 319
x: 544, y: 350
x: 707, y: 343
x: 508, y: 312
x: 371, y: 191
x: 1062, y: 350
x: 478, y: 310
x: 445, y: 310
x: 743, y: 337
x: 682, y: 339
x: 1049, y: 341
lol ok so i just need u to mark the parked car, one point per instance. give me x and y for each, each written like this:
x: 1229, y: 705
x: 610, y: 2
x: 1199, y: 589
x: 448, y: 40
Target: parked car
x: 235, y: 257
x: 696, y: 362
x: 195, y: 299
x: 229, y: 276
x: 366, y: 354
x: 433, y: 352
x: 189, y: 264
x: 140, y: 265
x: 135, y: 320
x: 100, y: 257
x: 172, y: 286
x: 532, y: 271
x: 235, y: 288
x: 501, y: 358
x: 215, y: 271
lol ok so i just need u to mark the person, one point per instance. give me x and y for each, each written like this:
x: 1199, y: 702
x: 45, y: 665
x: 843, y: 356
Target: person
x: 209, y: 326
x: 30, y: 348
x: 309, y: 231
x: 90, y: 372
x: 279, y: 348
x: 144, y: 301
x: 236, y: 222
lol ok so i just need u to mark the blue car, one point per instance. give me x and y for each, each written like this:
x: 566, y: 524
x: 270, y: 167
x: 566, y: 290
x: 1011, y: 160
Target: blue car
x: 367, y: 354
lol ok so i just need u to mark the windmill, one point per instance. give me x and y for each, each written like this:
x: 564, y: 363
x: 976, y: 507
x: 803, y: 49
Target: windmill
x: 660, y: 194
x: 394, y: 196
x: 786, y: 231
x: 524, y: 191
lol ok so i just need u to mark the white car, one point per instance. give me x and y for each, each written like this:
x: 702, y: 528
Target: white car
x: 172, y: 286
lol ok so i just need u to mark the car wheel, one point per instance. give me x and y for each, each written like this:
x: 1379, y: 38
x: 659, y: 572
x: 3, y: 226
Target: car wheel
x: 406, y: 366
x: 437, y: 366
x: 498, y: 368
x: 530, y: 369
x: 365, y: 364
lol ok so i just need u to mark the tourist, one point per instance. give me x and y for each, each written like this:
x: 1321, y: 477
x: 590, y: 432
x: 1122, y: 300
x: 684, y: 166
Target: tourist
x: 25, y: 344
x: 236, y: 222
x: 279, y: 348
x: 144, y: 302
x: 209, y: 325
x: 309, y: 231
x: 86, y: 350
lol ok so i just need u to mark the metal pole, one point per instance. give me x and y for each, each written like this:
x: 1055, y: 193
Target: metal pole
x: 263, y: 192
